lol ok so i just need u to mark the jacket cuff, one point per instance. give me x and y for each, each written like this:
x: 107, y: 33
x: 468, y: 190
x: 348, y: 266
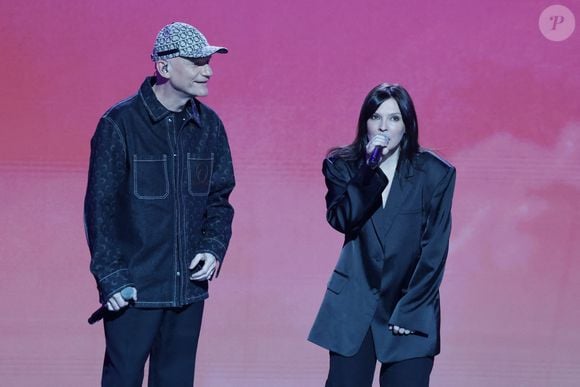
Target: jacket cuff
x: 420, y: 320
x: 369, y: 174
x: 213, y: 246
x: 112, y: 284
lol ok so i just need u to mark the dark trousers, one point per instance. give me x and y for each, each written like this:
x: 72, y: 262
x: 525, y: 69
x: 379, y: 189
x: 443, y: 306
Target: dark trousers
x: 168, y: 337
x: 358, y: 370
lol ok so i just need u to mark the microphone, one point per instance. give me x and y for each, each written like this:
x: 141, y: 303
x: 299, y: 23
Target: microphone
x: 127, y: 293
x: 375, y: 157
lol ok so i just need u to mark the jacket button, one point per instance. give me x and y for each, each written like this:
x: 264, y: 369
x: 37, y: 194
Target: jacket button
x: 178, y: 274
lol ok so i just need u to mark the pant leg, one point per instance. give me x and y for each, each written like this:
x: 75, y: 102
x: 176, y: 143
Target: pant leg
x: 129, y: 335
x: 353, y: 371
x: 172, y: 361
x: 407, y: 373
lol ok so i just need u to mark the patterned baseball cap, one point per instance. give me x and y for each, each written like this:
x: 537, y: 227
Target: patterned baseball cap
x: 181, y: 39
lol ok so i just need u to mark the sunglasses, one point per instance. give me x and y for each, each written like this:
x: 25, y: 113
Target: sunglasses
x: 199, y: 61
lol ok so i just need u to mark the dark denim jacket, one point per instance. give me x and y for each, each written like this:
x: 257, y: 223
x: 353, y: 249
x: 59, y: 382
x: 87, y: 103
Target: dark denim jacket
x: 157, y: 195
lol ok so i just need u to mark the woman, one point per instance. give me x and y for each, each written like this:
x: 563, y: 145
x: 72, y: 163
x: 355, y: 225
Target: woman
x: 392, y: 200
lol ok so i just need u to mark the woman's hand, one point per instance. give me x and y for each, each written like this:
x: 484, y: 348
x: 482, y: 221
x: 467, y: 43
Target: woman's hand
x: 398, y: 331
x: 381, y: 140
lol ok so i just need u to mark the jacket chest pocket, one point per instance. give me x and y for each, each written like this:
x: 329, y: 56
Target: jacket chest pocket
x: 199, y: 173
x: 150, y: 179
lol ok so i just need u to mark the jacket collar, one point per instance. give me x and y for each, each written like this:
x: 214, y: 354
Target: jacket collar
x: 157, y: 111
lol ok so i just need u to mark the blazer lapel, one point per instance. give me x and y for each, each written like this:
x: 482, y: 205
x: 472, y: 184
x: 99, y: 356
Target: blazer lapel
x: 402, y: 184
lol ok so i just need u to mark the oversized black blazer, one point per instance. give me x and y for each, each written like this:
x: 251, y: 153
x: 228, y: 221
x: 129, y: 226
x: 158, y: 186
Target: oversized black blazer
x: 387, y: 273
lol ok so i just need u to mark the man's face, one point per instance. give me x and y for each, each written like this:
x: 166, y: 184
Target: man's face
x: 190, y: 76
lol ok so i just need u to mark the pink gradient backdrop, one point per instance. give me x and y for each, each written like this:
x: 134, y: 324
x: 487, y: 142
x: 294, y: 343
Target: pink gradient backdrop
x: 493, y: 96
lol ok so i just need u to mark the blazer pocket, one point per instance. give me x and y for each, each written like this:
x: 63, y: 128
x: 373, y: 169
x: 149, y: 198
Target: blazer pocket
x: 409, y: 211
x: 337, y: 282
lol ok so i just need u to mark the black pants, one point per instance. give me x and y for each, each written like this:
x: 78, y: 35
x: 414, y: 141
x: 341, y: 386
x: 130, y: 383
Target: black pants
x: 167, y: 336
x: 358, y: 370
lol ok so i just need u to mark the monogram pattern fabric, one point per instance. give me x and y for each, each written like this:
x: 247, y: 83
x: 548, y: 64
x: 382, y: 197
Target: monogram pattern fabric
x: 107, y: 171
x: 157, y: 195
x: 181, y: 39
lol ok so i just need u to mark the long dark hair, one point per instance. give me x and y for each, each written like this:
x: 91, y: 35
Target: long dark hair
x: 378, y: 95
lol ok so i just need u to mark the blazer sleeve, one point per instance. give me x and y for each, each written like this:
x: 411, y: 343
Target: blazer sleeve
x: 413, y: 310
x: 351, y: 200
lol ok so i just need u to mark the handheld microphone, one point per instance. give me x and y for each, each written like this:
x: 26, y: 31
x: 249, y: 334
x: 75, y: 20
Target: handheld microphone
x: 127, y: 293
x: 375, y: 157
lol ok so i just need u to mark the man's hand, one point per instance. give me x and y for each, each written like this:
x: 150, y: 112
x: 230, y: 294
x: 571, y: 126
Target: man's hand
x: 117, y: 302
x: 208, y: 269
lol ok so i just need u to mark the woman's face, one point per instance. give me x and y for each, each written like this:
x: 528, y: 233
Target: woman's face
x: 388, y: 121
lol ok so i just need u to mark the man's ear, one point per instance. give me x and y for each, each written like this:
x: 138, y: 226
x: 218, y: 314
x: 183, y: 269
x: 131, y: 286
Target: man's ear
x: 163, y: 68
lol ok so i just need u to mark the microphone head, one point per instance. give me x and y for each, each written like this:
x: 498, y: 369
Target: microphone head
x: 128, y: 293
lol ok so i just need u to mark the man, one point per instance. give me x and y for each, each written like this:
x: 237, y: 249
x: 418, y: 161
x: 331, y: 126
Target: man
x: 157, y: 214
